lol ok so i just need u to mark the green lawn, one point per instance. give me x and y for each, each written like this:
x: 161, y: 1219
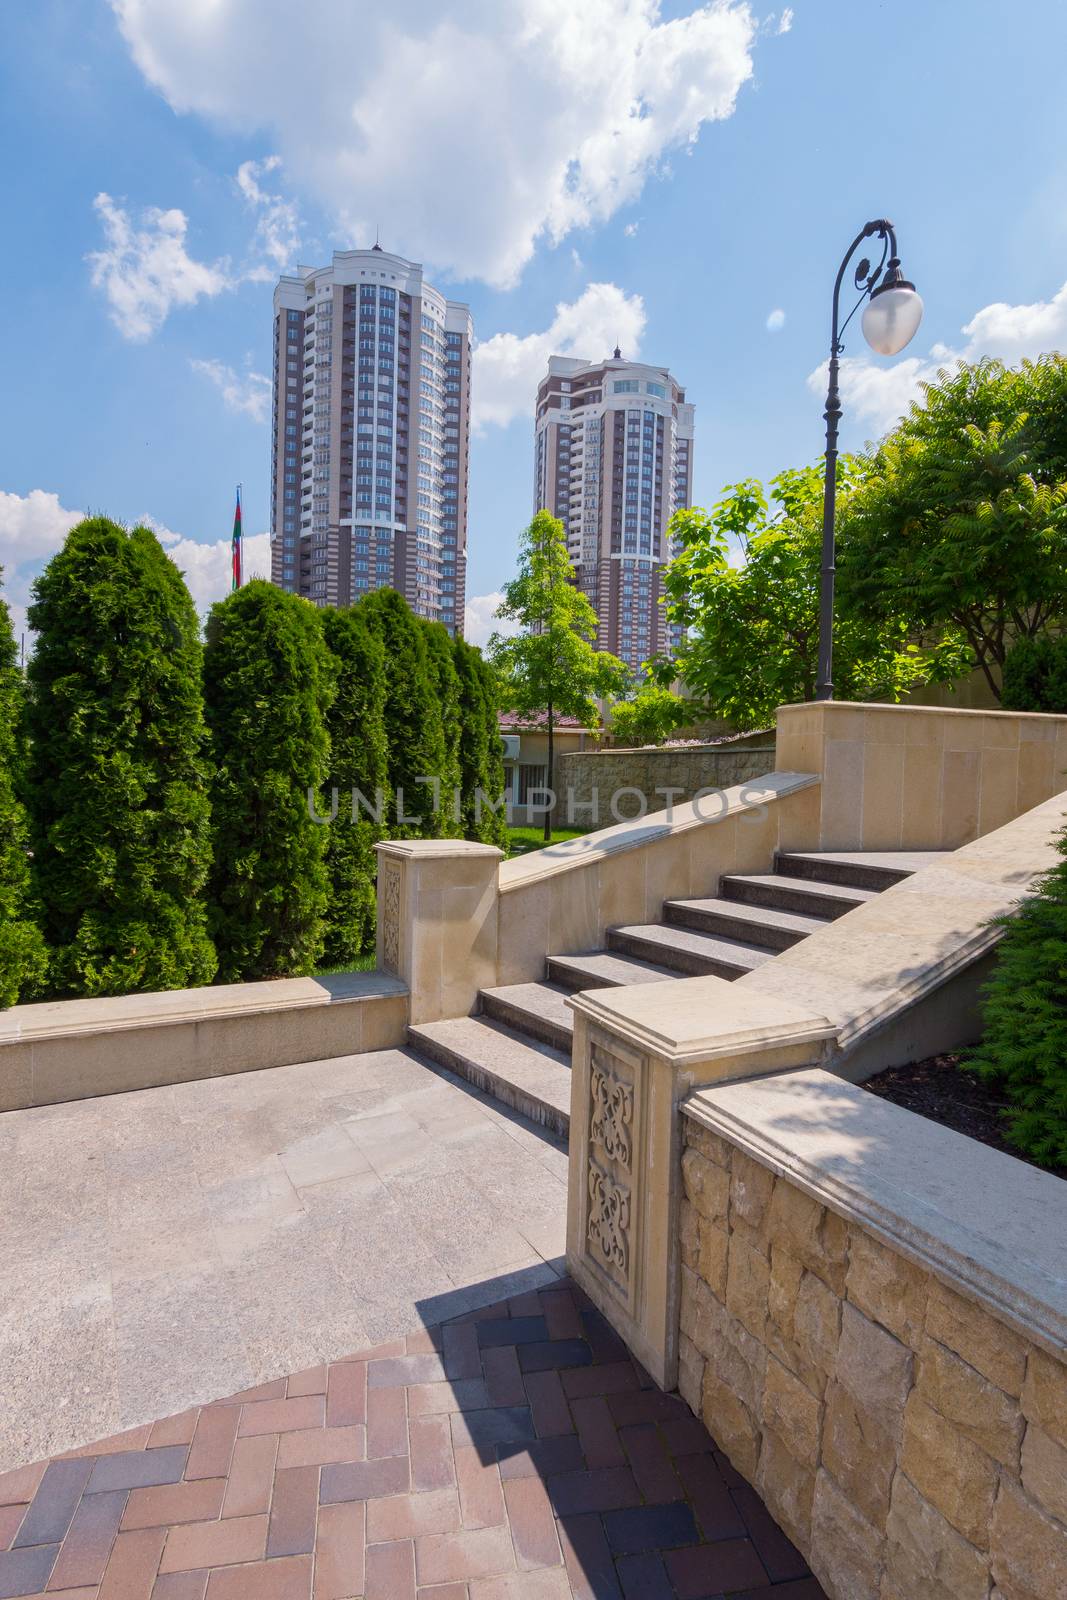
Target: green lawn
x: 523, y: 840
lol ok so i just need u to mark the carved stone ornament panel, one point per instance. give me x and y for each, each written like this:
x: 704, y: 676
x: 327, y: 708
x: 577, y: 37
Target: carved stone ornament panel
x: 609, y: 1222
x: 611, y: 1123
x: 391, y: 916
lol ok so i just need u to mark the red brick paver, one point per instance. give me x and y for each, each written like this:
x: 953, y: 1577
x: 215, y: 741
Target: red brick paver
x: 517, y: 1453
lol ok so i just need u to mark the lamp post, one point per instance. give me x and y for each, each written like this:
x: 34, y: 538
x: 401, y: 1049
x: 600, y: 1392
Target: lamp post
x: 891, y: 319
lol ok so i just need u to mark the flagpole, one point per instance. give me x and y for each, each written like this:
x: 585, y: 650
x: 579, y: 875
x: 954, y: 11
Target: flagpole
x: 237, y: 547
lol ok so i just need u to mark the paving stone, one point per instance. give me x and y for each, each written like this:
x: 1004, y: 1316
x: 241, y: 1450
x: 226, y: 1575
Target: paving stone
x: 53, y: 1506
x: 315, y: 1447
x: 533, y: 1525
x: 512, y: 1330
x: 136, y: 1469
x: 248, y: 1488
x: 133, y: 1565
x: 181, y: 1586
x: 293, y: 1512
x: 589, y: 1562
x: 387, y: 1430
x: 168, y: 1503
x: 364, y: 1480
x: 391, y: 1571
x: 404, y: 1516
x: 214, y: 1544
x: 644, y: 1577
x: 26, y: 1570
x: 548, y: 1404
x: 340, y: 1552
x: 707, y: 1569
x: 346, y: 1394
x: 282, y: 1416
x: 10, y: 1517
x: 474, y: 1553
x: 545, y: 1457
x: 287, y: 1579
x: 498, y: 1425
x: 575, y: 1492
x: 554, y: 1354
x: 213, y: 1442
x: 650, y: 1528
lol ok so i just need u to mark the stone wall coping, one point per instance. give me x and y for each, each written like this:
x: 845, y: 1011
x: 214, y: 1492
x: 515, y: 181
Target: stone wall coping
x: 842, y: 707
x: 436, y: 849
x: 714, y: 747
x: 699, y: 1019
x: 863, y: 970
x: 988, y: 1225
x: 640, y: 831
x: 52, y: 1019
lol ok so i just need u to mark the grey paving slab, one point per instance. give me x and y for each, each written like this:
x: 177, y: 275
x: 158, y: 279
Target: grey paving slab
x: 172, y: 1246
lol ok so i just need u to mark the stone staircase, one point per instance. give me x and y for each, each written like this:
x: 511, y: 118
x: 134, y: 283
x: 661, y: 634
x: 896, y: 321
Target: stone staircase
x: 517, y: 1047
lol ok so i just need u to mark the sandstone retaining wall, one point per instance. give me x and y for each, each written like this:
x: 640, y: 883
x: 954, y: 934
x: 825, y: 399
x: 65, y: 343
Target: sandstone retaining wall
x: 908, y: 1440
x: 685, y: 769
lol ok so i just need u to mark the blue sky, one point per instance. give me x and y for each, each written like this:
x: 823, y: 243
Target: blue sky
x: 496, y: 141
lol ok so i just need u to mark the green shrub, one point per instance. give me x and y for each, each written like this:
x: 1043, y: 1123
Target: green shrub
x: 118, y: 779
x: 444, y: 681
x: 650, y: 717
x: 23, y: 957
x: 481, y: 748
x: 1035, y: 674
x: 412, y: 713
x: 359, y: 759
x: 1025, y: 1013
x: 268, y: 684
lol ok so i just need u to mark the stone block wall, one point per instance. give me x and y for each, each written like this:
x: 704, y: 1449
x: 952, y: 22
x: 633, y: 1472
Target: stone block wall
x: 686, y: 769
x: 909, y: 1442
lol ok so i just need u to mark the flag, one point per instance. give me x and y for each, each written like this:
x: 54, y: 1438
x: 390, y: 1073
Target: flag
x: 236, y: 549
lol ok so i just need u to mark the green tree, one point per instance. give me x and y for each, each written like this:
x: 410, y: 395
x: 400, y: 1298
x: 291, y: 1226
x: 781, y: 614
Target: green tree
x: 118, y: 778
x: 1035, y: 675
x: 752, y: 630
x: 23, y: 956
x: 960, y: 524
x: 1025, y: 1012
x: 444, y: 681
x: 550, y: 668
x: 412, y: 714
x: 481, y: 748
x: 359, y: 760
x: 650, y: 716
x: 268, y: 685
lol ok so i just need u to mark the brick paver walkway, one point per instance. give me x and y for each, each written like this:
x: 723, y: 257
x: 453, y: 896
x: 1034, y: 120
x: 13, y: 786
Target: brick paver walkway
x: 517, y: 1453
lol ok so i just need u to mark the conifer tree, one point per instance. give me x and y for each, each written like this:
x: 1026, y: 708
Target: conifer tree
x: 412, y: 713
x: 118, y: 776
x: 481, y: 750
x: 359, y: 761
x: 23, y: 957
x: 1025, y: 1013
x: 268, y: 684
x: 444, y: 680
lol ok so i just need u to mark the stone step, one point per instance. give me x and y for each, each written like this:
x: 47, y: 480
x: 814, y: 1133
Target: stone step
x: 857, y: 869
x: 734, y: 919
x: 537, y: 1009
x: 685, y: 950
x: 798, y: 895
x: 528, y: 1077
x: 603, y: 969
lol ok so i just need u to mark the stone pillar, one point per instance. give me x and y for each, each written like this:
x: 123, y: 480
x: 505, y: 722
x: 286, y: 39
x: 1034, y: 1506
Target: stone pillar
x: 638, y: 1052
x: 437, y: 921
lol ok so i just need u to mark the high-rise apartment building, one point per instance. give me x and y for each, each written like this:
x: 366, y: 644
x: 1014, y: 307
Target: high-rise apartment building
x: 614, y: 461
x: 371, y: 435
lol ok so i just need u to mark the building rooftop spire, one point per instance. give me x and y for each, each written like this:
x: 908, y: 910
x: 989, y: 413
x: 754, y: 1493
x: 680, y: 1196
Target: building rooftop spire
x: 616, y: 354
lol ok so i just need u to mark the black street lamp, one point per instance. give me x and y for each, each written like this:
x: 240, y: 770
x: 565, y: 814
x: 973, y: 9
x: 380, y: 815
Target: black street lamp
x: 891, y: 319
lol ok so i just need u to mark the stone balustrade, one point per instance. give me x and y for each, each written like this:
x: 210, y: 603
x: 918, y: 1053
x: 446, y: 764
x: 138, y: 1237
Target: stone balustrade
x: 873, y: 1326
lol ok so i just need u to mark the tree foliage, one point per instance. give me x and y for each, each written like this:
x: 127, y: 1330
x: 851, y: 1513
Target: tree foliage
x: 752, y: 630
x: 268, y: 688
x: 651, y: 716
x: 481, y: 749
x: 412, y: 713
x: 359, y: 760
x: 23, y: 957
x: 444, y: 681
x: 117, y: 780
x: 550, y: 667
x: 1035, y: 675
x: 1025, y: 1012
x: 960, y: 523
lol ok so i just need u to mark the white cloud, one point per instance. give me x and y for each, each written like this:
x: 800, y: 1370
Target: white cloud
x: 543, y: 115
x: 206, y: 567
x: 881, y: 395
x: 277, y: 232
x: 776, y: 320
x: 479, y: 621
x: 785, y: 21
x: 630, y: 229
x: 249, y: 392
x: 32, y: 527
x: 145, y: 270
x: 508, y: 367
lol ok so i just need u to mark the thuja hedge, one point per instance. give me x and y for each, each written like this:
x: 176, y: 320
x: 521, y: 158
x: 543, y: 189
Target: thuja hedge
x: 117, y: 779
x: 170, y: 824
